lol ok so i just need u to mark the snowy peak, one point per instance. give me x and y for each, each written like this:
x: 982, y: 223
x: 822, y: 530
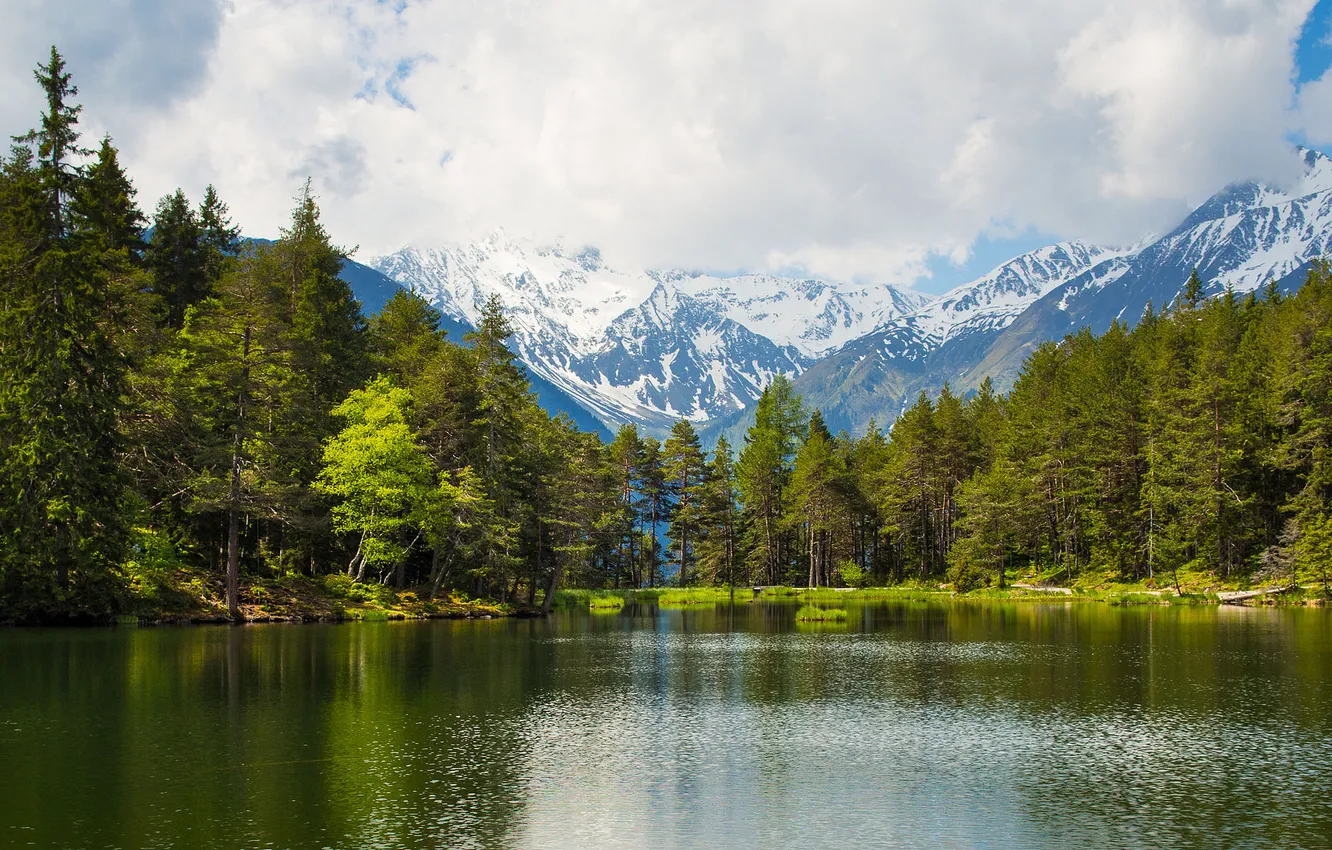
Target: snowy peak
x: 991, y: 302
x: 812, y: 316
x: 646, y: 346
x: 994, y: 300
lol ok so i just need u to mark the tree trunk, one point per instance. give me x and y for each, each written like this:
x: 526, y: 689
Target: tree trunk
x: 554, y: 583
x: 233, y: 512
x: 652, y: 564
x: 536, y: 566
x: 813, y: 576
x: 767, y: 536
x: 439, y: 571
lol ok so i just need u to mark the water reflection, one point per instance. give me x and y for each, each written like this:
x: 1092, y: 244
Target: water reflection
x: 1033, y: 724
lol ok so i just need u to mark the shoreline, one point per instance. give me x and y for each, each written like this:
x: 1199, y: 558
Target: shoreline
x: 183, y: 598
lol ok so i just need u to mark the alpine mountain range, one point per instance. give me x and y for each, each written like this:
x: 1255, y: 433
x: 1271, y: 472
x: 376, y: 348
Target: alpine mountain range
x: 612, y: 346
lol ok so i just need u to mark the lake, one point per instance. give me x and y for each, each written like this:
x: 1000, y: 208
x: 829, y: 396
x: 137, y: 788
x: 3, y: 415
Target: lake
x: 990, y: 724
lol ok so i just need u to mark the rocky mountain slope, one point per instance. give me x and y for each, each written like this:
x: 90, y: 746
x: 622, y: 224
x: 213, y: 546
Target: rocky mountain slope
x: 646, y: 346
x: 652, y: 346
x: 1242, y: 237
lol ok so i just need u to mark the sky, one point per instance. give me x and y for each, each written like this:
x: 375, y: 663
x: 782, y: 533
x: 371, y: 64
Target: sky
x: 914, y: 143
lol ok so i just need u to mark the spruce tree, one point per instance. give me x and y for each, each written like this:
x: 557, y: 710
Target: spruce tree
x: 219, y: 239
x: 237, y: 379
x: 626, y: 458
x: 176, y: 257
x: 62, y: 377
x: 717, y: 545
x: 764, y: 469
x: 652, y: 485
x: 104, y: 205
x: 818, y: 489
x: 683, y: 465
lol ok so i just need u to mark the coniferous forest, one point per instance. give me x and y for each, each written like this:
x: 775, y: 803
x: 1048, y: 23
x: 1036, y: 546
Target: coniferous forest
x: 176, y: 397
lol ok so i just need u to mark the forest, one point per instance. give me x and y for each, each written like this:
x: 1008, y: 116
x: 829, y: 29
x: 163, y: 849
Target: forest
x: 172, y: 394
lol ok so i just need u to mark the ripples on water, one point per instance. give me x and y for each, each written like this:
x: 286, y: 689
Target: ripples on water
x: 1039, y: 726
x: 868, y: 755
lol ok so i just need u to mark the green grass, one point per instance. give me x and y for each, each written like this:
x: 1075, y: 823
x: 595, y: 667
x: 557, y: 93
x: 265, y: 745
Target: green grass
x: 674, y: 597
x: 605, y: 603
x: 572, y: 598
x: 814, y: 614
x: 908, y: 593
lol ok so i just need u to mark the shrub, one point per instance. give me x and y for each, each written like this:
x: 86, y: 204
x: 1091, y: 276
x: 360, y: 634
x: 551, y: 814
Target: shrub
x: 966, y: 575
x: 854, y: 574
x: 338, y: 585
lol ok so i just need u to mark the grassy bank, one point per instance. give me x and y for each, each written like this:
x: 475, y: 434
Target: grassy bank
x: 1195, y: 593
x: 183, y: 595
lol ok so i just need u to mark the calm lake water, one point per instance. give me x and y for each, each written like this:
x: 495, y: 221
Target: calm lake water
x: 990, y: 725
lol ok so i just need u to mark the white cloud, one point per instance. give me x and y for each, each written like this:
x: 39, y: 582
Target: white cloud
x: 853, y: 137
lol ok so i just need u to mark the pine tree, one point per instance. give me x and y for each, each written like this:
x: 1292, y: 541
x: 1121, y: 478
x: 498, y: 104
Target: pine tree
x: 503, y: 390
x: 909, y: 484
x: 1192, y: 294
x: 237, y: 377
x: 652, y: 486
x: 764, y: 468
x: 62, y: 377
x: 104, y: 205
x: 718, y: 534
x: 405, y: 336
x: 219, y: 239
x: 626, y: 459
x: 177, y: 259
x: 683, y: 468
x: 818, y: 496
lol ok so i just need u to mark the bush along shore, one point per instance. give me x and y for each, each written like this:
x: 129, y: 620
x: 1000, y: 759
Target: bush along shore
x: 1024, y: 591
x: 183, y: 596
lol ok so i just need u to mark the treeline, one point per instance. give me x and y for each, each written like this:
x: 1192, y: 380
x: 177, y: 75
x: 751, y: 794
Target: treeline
x: 175, y: 395
x: 1197, y: 442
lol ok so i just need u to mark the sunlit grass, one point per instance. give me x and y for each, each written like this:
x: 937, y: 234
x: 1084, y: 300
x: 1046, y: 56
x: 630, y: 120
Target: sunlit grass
x: 852, y: 594
x: 673, y: 597
x: 605, y: 603
x: 815, y: 614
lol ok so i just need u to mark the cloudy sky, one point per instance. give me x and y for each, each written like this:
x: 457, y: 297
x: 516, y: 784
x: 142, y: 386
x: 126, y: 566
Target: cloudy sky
x: 902, y: 141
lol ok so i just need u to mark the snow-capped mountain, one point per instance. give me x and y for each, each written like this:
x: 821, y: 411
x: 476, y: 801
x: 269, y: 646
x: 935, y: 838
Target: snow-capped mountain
x: 1242, y: 237
x: 651, y: 346
x: 1247, y: 234
x: 989, y: 303
x: 646, y: 346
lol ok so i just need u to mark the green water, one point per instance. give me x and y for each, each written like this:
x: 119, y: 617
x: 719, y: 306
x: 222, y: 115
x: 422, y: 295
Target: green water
x: 999, y: 725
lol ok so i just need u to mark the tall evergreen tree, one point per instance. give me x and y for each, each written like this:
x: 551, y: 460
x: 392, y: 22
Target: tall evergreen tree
x: 104, y: 205
x: 718, y: 533
x: 176, y: 257
x: 62, y: 377
x: 764, y: 469
x: 236, y: 373
x: 626, y: 459
x: 818, y: 496
x: 652, y: 485
x: 683, y: 469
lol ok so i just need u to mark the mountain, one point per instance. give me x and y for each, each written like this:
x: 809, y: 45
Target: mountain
x: 652, y: 346
x: 370, y: 287
x: 373, y: 289
x: 1247, y: 234
x: 646, y: 346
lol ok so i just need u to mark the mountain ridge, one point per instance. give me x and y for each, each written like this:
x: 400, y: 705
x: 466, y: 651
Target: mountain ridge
x: 652, y: 346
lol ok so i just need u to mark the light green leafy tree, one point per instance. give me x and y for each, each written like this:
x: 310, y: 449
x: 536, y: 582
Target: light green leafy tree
x: 378, y: 474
